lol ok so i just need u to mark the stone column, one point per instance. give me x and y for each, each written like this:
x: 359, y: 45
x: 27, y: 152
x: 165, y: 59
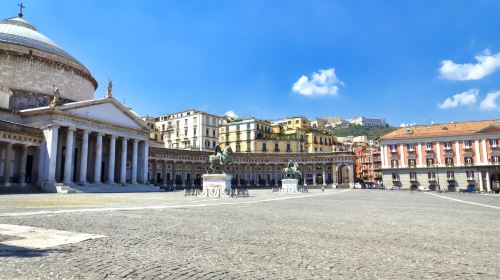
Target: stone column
x: 174, y: 183
x: 481, y: 185
x: 488, y: 183
x: 68, y: 159
x: 85, y: 153
x: 402, y: 156
x: 324, y: 175
x: 133, y: 173
x: 51, y: 135
x: 123, y: 167
x: 478, y: 155
x: 304, y: 174
x: 145, y: 153
x: 457, y: 153
x: 314, y: 175
x: 22, y: 166
x: 420, y: 155
x: 334, y: 173
x: 154, y: 171
x: 98, y: 159
x: 485, y: 154
x: 111, y: 159
x: 438, y: 154
x: 42, y: 167
x: 183, y: 178
x: 7, y: 165
x: 164, y: 172
x: 192, y: 173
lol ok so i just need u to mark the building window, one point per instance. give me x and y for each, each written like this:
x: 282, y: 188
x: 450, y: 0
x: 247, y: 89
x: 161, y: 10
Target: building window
x: 411, y: 163
x: 264, y: 148
x: 428, y: 146
x: 450, y: 175
x: 493, y: 143
x: 470, y: 175
x: 194, y: 131
x: 213, y: 133
x: 466, y: 144
x: 469, y: 161
x: 206, y: 132
x: 276, y: 147
x: 163, y: 127
x: 248, y: 135
x: 495, y: 159
x: 288, y: 147
x: 430, y: 162
x: 449, y: 161
x: 185, y: 122
x: 394, y: 148
x: 413, y: 176
x: 431, y: 176
x: 238, y: 148
x: 410, y: 148
x: 394, y: 163
x: 447, y: 146
x: 238, y: 127
x: 214, y: 144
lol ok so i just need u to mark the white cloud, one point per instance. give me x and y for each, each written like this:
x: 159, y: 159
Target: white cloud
x: 323, y: 82
x: 460, y: 99
x: 231, y: 114
x: 490, y: 101
x: 486, y: 64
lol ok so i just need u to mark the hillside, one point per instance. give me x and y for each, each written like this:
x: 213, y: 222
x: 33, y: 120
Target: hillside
x: 358, y: 130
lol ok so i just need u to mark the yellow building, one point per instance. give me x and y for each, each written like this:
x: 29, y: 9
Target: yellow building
x: 292, y: 135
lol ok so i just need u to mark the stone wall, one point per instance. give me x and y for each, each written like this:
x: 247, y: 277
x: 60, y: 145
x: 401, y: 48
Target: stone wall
x: 19, y: 72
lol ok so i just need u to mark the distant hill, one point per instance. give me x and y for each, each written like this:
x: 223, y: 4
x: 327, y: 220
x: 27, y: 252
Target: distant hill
x: 372, y: 132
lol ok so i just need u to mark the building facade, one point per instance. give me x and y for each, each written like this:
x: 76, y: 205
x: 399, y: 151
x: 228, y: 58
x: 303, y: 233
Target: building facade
x: 368, y: 164
x: 188, y: 130
x: 443, y: 156
x: 183, y: 168
x: 53, y: 133
x: 364, y: 121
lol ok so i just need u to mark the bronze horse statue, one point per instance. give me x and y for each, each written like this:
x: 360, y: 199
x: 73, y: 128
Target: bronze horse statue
x: 221, y: 157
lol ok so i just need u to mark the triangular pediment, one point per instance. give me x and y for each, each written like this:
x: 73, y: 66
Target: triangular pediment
x: 489, y: 129
x: 106, y: 110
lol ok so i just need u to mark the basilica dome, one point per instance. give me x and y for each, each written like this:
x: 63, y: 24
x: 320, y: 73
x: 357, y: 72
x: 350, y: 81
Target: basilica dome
x: 31, y: 65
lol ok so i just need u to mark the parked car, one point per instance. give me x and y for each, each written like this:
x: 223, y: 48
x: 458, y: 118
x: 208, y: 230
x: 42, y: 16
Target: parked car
x: 423, y: 189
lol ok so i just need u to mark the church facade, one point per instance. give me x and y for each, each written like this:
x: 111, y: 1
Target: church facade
x: 53, y: 133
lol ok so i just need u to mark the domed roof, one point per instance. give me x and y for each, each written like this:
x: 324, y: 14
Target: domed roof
x: 19, y: 31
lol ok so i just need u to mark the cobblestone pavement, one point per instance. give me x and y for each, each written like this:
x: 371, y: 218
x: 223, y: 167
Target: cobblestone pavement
x: 362, y: 234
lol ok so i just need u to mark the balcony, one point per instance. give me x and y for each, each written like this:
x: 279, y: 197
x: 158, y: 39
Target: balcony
x: 395, y: 179
x: 413, y: 179
x: 394, y: 151
x: 432, y: 179
x: 450, y: 178
x: 471, y: 179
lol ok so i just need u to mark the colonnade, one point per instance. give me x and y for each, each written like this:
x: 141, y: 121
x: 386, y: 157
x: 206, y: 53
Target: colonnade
x: 77, y: 166
x: 165, y: 171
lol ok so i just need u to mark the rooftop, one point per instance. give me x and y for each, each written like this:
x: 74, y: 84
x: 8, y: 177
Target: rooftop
x: 449, y: 129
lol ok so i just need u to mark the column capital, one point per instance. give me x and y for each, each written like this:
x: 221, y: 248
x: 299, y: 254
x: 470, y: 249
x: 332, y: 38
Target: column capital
x: 125, y: 139
x: 71, y: 128
x: 113, y: 136
x: 86, y: 131
x: 136, y: 140
x: 99, y: 133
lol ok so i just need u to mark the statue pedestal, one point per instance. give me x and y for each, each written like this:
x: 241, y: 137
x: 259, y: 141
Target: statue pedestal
x: 289, y: 185
x: 216, y: 185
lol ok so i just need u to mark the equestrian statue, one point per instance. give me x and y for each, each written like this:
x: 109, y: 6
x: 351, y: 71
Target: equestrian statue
x: 291, y: 171
x: 221, y: 157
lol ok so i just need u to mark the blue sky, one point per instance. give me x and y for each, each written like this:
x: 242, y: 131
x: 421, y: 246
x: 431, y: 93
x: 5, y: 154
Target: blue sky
x: 380, y: 58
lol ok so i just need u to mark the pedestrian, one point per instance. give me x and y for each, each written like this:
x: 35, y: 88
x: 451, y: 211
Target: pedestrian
x: 323, y: 188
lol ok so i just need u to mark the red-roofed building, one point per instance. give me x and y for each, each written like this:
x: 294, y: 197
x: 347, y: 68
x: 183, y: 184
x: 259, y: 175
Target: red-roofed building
x: 454, y: 156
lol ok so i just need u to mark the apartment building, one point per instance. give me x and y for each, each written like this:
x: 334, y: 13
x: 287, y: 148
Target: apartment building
x: 188, y: 130
x: 454, y: 156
